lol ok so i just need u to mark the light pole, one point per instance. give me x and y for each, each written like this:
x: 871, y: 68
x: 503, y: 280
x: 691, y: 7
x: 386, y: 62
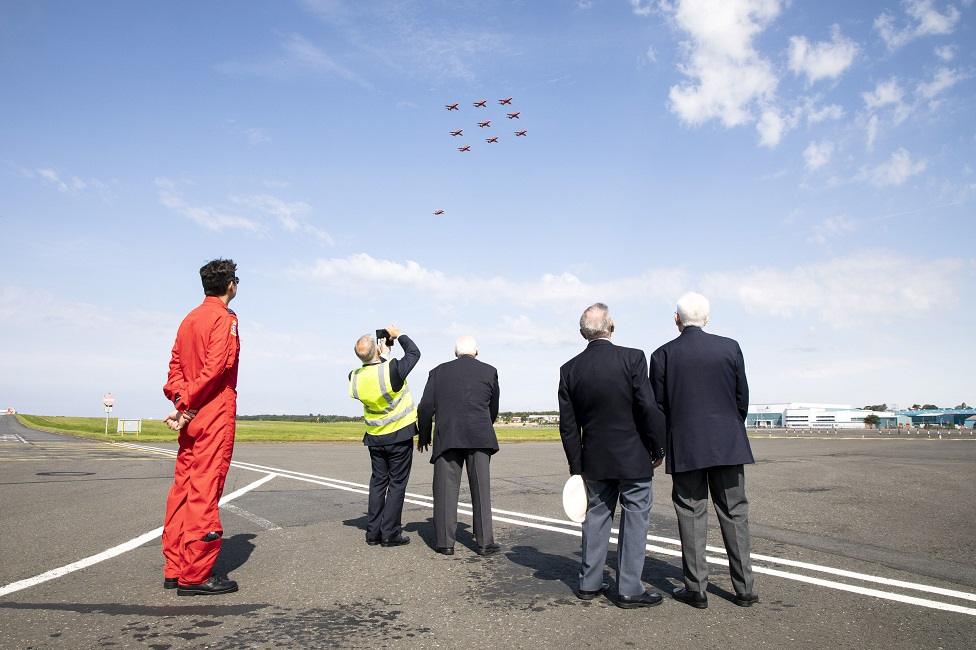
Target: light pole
x: 108, y: 401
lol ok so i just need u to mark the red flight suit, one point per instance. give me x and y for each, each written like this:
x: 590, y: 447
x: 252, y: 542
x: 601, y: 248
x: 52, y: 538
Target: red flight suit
x: 202, y: 378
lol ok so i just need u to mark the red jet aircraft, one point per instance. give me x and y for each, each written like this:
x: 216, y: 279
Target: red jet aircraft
x: 520, y: 133
x: 492, y: 139
x: 451, y: 107
x: 481, y: 103
x: 438, y: 213
x: 457, y: 133
x: 514, y: 116
x: 484, y: 124
x: 507, y: 100
x: 466, y: 147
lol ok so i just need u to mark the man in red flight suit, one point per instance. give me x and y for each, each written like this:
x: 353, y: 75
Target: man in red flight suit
x: 202, y: 384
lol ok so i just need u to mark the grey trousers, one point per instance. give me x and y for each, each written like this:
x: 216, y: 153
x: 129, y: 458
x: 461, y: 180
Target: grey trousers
x: 727, y: 485
x: 447, y: 483
x: 635, y: 510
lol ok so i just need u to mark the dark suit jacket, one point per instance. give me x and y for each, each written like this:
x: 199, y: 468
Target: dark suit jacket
x: 610, y: 424
x: 462, y: 395
x: 700, y: 383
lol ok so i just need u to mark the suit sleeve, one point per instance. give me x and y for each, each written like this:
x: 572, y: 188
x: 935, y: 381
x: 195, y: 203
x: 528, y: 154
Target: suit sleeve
x: 741, y: 385
x: 650, y: 420
x: 493, y: 406
x: 175, y: 388
x: 400, y: 368
x: 569, y: 430
x: 657, y: 380
x: 425, y: 412
x: 221, y: 350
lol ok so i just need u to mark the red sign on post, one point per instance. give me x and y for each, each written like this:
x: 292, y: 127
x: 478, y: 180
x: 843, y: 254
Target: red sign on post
x: 108, y: 400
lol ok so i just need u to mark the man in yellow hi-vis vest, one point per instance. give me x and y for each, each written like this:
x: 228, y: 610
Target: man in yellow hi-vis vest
x: 390, y: 416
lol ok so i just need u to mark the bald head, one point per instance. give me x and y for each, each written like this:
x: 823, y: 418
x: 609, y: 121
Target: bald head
x: 365, y: 348
x: 466, y: 346
x: 595, y: 323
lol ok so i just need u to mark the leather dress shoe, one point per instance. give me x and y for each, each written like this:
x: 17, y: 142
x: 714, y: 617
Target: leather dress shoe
x: 396, y: 541
x: 444, y: 550
x: 213, y: 586
x: 490, y: 549
x: 372, y: 542
x: 585, y: 594
x: 688, y: 597
x: 746, y: 600
x: 646, y: 599
x: 170, y: 583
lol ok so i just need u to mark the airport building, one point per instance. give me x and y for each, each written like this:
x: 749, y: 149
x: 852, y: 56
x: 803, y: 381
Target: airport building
x: 941, y: 417
x: 806, y: 415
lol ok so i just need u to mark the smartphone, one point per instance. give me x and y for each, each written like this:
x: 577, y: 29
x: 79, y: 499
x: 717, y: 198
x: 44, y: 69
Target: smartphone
x: 383, y: 334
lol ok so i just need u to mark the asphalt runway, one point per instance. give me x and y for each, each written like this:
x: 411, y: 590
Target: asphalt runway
x: 856, y: 543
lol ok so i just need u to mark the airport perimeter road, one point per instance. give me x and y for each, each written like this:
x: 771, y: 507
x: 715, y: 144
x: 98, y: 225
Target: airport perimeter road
x: 857, y: 543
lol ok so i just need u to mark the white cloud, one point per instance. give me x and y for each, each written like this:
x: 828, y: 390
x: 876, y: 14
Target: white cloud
x: 362, y: 271
x: 68, y: 184
x: 727, y: 77
x: 894, y: 171
x: 291, y: 216
x: 771, y: 128
x: 872, y: 131
x: 817, y: 154
x: 823, y: 60
x: 923, y: 19
x: 257, y: 136
x: 944, y: 79
x: 885, y: 93
x: 643, y: 7
x: 946, y: 52
x: 864, y: 287
x: 298, y: 56
x: 830, y: 112
x: 831, y: 228
x: 209, y: 218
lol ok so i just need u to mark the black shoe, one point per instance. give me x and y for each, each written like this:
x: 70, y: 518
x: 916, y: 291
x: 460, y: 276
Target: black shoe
x: 688, y: 597
x: 584, y: 594
x: 646, y: 599
x: 490, y: 549
x: 746, y: 600
x: 170, y: 583
x: 444, y: 550
x: 372, y: 542
x: 399, y: 541
x: 213, y: 586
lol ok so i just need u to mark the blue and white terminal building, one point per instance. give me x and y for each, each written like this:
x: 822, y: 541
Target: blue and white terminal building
x: 808, y: 415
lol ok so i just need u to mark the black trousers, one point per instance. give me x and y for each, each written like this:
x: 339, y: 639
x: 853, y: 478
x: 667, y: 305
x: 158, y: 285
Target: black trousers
x: 447, y: 484
x: 387, y: 486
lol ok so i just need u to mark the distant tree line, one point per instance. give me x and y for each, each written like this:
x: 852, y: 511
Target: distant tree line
x: 311, y: 417
x: 913, y: 407
x: 508, y: 415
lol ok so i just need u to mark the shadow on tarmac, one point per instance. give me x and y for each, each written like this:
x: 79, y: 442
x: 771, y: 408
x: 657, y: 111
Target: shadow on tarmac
x: 117, y: 609
x: 234, y: 553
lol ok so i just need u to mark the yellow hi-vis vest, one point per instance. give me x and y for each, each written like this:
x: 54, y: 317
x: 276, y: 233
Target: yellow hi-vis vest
x: 384, y: 409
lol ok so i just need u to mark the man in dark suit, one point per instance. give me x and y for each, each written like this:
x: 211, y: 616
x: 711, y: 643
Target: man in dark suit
x: 700, y: 383
x: 612, y: 432
x: 462, y: 395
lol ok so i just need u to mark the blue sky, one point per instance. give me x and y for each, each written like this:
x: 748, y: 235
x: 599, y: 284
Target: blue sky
x: 807, y: 165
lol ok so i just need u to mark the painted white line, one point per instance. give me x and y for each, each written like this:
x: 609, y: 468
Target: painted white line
x: 572, y: 528
x: 250, y: 516
x: 117, y: 550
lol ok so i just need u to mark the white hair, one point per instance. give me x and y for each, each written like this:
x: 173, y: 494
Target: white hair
x: 693, y: 309
x: 466, y: 346
x: 595, y: 322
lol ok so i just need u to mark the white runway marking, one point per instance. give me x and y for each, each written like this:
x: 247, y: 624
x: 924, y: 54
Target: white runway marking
x: 571, y: 528
x: 250, y: 516
x: 117, y: 550
x: 12, y: 437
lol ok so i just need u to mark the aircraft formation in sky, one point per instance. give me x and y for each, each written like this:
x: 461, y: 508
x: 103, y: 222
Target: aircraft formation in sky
x: 483, y: 124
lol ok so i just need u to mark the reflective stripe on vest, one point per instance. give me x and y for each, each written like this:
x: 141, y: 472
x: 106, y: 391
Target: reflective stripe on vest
x: 384, y: 410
